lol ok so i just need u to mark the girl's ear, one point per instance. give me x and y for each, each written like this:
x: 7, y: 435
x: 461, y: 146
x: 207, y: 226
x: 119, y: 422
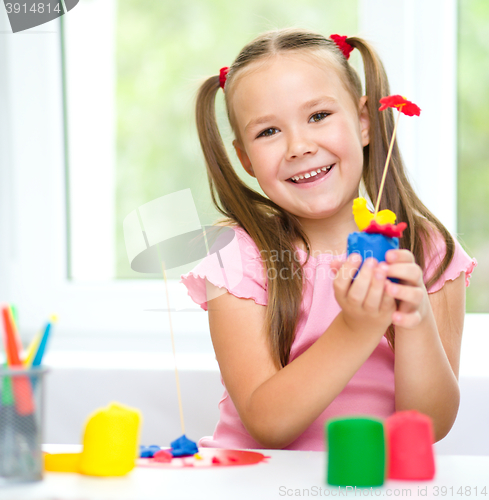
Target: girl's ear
x: 243, y: 158
x: 364, y: 120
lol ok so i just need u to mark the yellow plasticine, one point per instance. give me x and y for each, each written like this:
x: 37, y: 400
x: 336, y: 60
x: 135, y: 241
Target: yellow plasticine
x: 62, y: 462
x: 363, y: 216
x: 111, y: 441
x: 198, y: 457
x: 361, y: 213
x: 385, y: 217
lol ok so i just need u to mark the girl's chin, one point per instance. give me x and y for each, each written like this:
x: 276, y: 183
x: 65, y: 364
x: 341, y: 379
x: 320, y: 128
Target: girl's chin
x: 317, y: 215
x: 327, y: 213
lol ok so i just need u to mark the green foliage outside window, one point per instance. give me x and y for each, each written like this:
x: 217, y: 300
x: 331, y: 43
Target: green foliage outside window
x: 473, y: 145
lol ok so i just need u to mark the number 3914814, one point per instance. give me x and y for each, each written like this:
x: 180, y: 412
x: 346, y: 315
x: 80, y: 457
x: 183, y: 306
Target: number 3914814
x: 39, y: 8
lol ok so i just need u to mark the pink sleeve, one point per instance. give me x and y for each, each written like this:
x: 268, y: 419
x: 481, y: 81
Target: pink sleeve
x: 461, y: 262
x: 236, y: 268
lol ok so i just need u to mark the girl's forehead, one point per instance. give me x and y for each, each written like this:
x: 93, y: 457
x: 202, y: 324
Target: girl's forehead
x: 290, y: 75
x: 289, y: 62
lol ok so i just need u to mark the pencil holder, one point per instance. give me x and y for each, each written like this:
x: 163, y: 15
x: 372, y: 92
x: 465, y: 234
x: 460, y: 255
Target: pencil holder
x: 356, y: 452
x: 21, y: 424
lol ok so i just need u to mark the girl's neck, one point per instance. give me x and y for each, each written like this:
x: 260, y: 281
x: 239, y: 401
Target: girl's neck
x: 328, y: 235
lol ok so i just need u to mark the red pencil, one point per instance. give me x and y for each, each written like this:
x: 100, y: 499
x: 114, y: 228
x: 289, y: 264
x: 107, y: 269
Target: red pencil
x: 24, y: 401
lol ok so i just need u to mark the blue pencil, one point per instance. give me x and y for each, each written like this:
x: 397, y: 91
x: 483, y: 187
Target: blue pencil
x: 42, y: 345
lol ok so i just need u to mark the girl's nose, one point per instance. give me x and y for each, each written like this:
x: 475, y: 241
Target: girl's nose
x: 299, y: 147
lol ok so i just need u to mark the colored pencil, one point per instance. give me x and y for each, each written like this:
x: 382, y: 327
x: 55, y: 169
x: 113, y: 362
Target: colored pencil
x: 24, y: 401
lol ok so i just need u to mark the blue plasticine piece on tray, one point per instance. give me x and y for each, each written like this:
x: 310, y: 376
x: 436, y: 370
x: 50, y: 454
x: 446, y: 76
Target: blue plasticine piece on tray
x: 148, y: 451
x: 183, y: 447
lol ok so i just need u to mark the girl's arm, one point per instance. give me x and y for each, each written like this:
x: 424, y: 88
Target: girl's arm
x: 277, y: 405
x: 428, y: 339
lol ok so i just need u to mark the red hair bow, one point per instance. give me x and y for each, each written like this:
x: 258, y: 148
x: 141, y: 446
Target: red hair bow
x: 223, y: 73
x: 342, y: 44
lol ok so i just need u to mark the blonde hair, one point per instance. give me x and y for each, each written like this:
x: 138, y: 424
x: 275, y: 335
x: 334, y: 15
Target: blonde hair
x: 274, y: 230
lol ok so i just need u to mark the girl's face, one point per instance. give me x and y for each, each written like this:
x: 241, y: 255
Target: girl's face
x: 301, y: 134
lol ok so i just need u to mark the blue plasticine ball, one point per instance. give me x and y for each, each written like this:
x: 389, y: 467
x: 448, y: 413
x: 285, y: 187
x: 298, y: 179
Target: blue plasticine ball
x: 371, y: 245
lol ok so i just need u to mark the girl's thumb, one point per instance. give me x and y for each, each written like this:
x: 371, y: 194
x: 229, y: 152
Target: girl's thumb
x: 335, y: 267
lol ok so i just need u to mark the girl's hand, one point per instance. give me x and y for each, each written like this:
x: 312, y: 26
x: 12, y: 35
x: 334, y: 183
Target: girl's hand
x: 364, y: 304
x: 411, y: 293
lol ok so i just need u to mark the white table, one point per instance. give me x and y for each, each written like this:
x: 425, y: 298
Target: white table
x: 288, y: 474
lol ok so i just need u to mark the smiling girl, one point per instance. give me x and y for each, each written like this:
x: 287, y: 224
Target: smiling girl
x: 297, y: 340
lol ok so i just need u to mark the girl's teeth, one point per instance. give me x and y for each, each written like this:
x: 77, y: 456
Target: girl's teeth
x: 311, y: 174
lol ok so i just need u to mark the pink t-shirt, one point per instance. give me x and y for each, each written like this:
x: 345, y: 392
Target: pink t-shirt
x: 238, y: 268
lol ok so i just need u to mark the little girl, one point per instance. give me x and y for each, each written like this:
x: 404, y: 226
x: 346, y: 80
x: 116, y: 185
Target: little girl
x: 299, y: 341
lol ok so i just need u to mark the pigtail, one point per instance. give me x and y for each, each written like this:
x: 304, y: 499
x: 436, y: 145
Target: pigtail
x: 272, y: 229
x: 381, y: 128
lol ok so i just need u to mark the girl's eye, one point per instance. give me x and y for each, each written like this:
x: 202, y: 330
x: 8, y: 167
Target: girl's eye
x: 317, y: 117
x: 268, y: 132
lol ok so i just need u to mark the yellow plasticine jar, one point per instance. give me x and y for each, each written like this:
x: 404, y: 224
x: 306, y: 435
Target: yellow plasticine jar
x: 111, y: 441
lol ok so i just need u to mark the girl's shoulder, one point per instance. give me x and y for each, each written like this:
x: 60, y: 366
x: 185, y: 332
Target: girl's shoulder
x: 225, y: 231
x: 232, y: 264
x: 435, y: 253
x: 246, y: 243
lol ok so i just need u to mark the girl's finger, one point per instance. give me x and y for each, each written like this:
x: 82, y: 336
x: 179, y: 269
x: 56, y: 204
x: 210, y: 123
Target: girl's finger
x: 408, y: 273
x: 335, y: 266
x: 388, y: 303
x: 400, y: 255
x: 344, y: 275
x: 360, y: 287
x: 406, y: 320
x: 375, y: 293
x: 411, y: 294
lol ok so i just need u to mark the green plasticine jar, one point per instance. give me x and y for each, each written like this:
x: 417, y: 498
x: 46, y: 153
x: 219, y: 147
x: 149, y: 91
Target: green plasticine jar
x: 356, y: 452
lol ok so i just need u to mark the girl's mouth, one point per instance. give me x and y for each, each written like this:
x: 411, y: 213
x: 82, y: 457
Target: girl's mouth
x: 311, y: 176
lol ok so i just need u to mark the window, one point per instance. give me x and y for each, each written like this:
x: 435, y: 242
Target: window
x: 138, y: 73
x: 130, y: 115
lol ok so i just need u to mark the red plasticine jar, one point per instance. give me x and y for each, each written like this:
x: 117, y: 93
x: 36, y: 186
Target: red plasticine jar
x: 409, y: 436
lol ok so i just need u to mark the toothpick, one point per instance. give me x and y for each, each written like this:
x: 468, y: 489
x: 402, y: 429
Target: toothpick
x: 386, y: 166
x: 179, y: 393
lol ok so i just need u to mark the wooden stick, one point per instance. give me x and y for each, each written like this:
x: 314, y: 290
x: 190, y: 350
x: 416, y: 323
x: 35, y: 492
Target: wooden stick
x: 386, y: 166
x: 179, y: 393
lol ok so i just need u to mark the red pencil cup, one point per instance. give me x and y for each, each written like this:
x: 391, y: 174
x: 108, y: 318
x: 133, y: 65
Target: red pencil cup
x: 410, y: 440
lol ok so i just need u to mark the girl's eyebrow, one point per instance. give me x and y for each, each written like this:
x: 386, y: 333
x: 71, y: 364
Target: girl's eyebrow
x: 307, y: 105
x: 259, y: 121
x: 320, y: 100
